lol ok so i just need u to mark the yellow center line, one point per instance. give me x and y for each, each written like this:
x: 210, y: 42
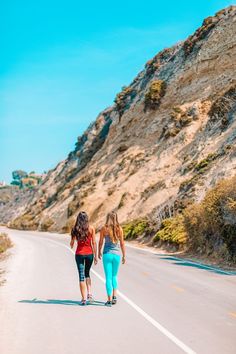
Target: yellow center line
x: 233, y: 314
x: 177, y: 288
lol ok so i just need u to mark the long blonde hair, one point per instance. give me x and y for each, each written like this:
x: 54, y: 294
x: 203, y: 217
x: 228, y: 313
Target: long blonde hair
x: 113, y: 226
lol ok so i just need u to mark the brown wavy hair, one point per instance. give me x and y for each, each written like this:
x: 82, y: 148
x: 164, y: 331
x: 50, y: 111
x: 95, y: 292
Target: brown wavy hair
x: 81, y: 227
x: 113, y: 226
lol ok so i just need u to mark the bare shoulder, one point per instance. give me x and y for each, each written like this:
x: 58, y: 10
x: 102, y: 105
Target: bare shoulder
x: 103, y: 229
x: 121, y: 232
x: 92, y: 229
x: 121, y: 229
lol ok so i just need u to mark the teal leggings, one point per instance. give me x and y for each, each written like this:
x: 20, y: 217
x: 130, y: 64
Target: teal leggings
x: 111, y: 264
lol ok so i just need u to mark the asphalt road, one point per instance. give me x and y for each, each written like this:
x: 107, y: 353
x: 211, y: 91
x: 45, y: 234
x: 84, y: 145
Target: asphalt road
x: 165, y: 305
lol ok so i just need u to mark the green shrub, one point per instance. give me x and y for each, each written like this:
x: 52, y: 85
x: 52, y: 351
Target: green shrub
x: 136, y: 228
x: 153, y: 96
x: 211, y: 225
x: 172, y: 231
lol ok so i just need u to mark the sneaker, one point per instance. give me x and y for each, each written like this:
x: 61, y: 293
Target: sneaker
x: 114, y: 300
x: 82, y: 302
x: 90, y: 298
x: 108, y: 303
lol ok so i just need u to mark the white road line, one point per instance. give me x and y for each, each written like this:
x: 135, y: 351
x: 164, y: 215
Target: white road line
x: 156, y: 324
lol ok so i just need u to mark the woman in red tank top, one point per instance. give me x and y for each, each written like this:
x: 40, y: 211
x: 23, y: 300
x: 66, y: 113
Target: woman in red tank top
x: 86, y: 252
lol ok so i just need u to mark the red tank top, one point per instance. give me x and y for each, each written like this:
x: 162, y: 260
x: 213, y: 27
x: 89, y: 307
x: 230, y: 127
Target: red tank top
x: 84, y: 247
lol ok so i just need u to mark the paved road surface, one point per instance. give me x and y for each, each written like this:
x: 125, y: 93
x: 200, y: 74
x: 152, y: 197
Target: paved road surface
x: 166, y: 306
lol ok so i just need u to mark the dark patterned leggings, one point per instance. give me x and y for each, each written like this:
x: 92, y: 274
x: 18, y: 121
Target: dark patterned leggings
x: 84, y: 263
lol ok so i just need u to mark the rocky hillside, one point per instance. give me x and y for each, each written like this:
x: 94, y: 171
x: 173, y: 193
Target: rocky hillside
x: 13, y: 202
x: 168, y: 138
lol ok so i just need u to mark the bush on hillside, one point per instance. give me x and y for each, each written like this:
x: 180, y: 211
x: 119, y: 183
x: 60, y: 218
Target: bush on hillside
x: 207, y: 228
x: 155, y: 63
x: 172, y: 231
x: 136, y: 228
x: 211, y: 225
x: 181, y: 118
x: 201, y: 33
x: 153, y: 96
x: 46, y: 223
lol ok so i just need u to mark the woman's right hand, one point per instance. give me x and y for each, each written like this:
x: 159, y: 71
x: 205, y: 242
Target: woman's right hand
x: 99, y: 255
x: 71, y: 243
x: 123, y: 260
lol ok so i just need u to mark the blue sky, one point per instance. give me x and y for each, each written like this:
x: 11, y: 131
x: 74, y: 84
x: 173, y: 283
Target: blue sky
x: 62, y: 62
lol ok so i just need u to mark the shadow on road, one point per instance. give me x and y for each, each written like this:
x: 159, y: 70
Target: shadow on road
x: 61, y: 302
x: 187, y: 263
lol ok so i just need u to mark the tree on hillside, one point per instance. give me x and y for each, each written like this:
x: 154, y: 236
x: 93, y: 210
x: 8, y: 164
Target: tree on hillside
x: 17, y: 175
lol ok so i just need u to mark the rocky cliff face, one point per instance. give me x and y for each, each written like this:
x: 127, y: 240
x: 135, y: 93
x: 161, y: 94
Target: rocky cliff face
x: 169, y: 136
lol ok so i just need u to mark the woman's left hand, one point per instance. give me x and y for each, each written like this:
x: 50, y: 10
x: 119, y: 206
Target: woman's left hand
x: 95, y: 261
x: 71, y: 243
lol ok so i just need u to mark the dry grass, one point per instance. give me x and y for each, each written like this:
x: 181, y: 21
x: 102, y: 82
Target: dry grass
x: 25, y: 222
x: 5, y: 242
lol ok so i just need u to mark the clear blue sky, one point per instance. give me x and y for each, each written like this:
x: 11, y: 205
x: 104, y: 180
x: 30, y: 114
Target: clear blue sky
x: 62, y: 62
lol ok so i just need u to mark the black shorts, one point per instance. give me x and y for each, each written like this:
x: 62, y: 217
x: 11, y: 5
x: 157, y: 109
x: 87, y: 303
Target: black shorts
x: 84, y: 263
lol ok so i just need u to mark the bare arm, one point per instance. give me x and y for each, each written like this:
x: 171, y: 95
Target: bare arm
x: 72, y: 240
x: 100, y: 244
x: 94, y: 246
x: 122, y: 245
